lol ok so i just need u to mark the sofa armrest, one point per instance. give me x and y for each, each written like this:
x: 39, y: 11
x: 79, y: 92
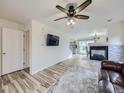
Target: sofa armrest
x: 111, y: 65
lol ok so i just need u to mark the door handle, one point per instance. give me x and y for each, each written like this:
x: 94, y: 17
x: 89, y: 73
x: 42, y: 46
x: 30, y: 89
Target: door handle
x: 4, y: 53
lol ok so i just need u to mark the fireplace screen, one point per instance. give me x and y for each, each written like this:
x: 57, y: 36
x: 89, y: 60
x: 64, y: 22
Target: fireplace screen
x: 99, y: 52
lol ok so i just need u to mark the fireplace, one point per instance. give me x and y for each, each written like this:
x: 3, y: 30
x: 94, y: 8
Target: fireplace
x: 99, y: 52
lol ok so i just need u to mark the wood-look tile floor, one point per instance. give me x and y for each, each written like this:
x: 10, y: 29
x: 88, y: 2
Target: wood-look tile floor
x: 23, y: 82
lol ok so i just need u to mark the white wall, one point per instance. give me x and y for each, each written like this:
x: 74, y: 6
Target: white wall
x: 116, y: 33
x: 101, y: 33
x: 43, y: 56
x: 9, y: 24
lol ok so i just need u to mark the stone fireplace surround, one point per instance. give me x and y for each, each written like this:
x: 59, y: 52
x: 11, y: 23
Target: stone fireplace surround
x: 115, y: 52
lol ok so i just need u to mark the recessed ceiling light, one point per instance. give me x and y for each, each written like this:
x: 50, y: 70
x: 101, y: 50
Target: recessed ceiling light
x: 109, y: 20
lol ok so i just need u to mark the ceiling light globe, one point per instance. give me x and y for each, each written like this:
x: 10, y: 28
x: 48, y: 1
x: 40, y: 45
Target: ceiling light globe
x: 71, y: 20
x: 68, y: 23
x: 73, y: 23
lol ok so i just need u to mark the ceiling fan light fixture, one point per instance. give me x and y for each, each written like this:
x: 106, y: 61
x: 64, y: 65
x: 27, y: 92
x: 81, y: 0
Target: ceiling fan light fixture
x: 71, y: 23
x: 72, y: 12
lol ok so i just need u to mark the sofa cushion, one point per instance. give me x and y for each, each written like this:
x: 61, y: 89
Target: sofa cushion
x: 116, y: 78
x: 105, y: 87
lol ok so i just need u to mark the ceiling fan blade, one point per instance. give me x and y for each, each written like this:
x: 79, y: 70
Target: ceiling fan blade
x: 60, y: 18
x: 81, y: 17
x: 83, y: 6
x: 62, y: 9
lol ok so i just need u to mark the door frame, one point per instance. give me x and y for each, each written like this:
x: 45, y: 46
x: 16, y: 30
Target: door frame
x: 26, y: 49
x: 1, y: 52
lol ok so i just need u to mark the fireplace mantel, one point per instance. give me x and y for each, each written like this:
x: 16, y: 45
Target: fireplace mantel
x: 98, y: 44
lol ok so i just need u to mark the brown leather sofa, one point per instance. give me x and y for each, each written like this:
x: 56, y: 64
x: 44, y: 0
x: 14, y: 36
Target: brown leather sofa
x: 111, y: 79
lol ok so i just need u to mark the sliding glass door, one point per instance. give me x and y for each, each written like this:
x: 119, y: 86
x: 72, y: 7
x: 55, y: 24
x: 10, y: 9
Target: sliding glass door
x: 83, y: 47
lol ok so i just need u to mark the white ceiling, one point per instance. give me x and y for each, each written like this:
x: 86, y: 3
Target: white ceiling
x: 100, y: 11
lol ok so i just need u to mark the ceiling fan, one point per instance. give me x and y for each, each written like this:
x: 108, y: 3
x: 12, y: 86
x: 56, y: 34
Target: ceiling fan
x: 72, y: 12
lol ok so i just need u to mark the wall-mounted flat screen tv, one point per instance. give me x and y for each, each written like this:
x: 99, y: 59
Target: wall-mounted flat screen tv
x: 52, y: 40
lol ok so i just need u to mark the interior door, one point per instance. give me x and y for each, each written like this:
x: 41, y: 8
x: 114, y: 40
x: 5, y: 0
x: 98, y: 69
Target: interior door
x: 12, y: 50
x: 0, y: 52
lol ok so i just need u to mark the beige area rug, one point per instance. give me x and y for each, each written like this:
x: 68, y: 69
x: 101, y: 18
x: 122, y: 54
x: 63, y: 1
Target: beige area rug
x: 76, y: 80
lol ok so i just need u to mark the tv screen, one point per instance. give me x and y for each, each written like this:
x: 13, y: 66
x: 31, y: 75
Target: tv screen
x: 52, y: 40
